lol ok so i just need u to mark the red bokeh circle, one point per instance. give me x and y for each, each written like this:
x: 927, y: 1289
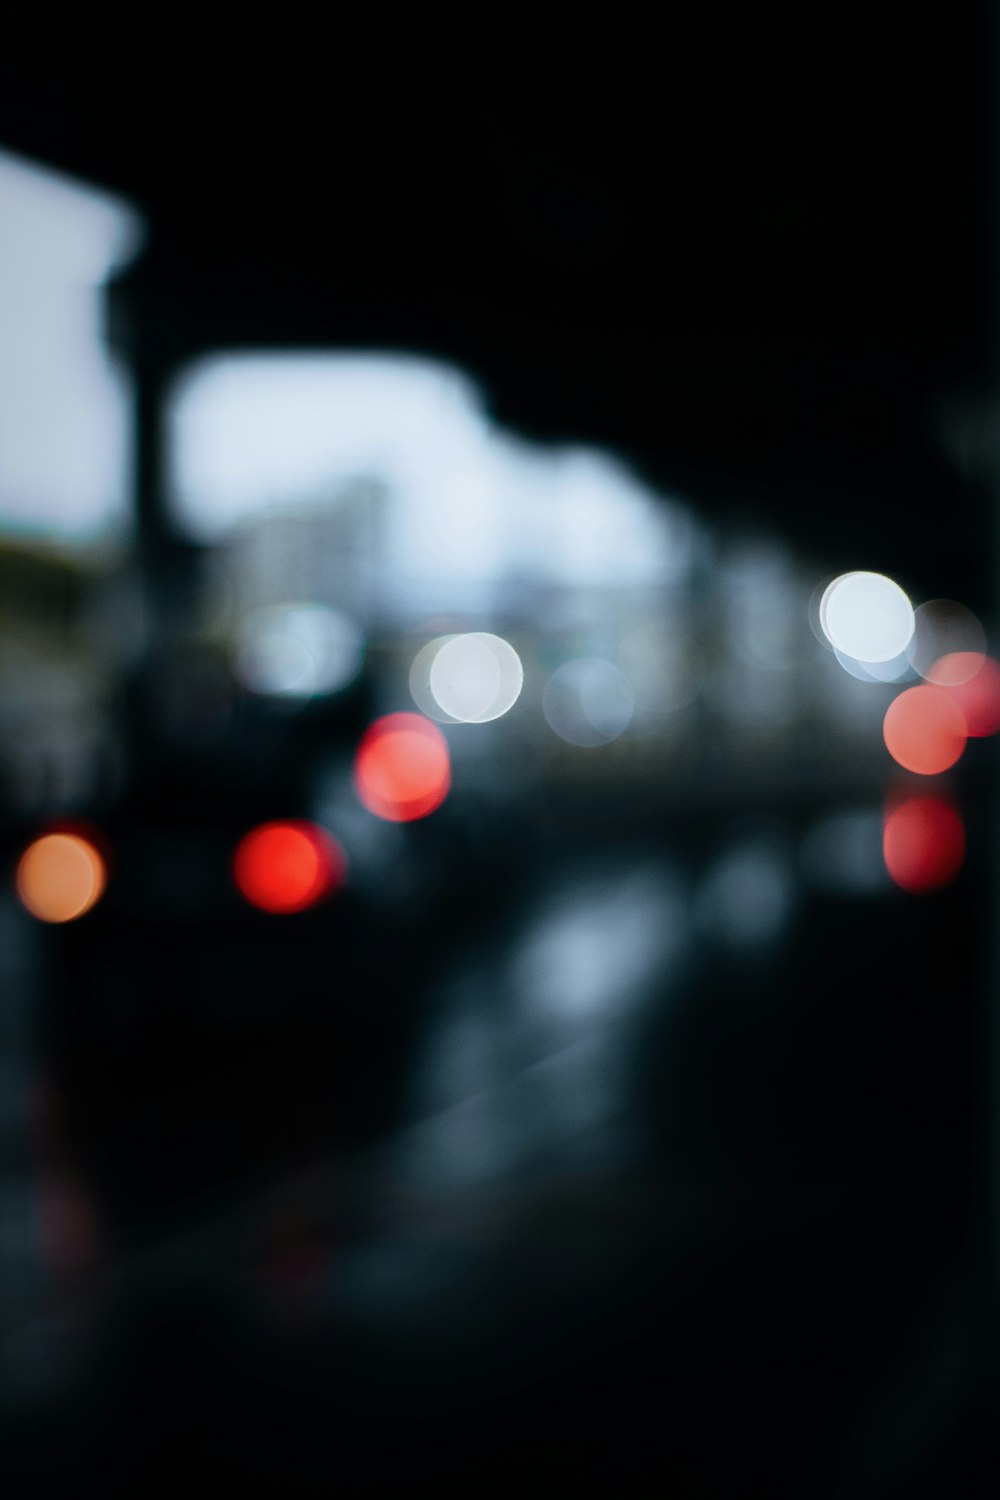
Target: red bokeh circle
x: 974, y: 686
x: 923, y: 841
x: 286, y: 867
x: 402, y: 769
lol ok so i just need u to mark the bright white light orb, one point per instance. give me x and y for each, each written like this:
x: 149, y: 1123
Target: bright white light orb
x: 466, y: 679
x: 475, y: 678
x: 866, y: 616
x: 588, y: 702
x: 298, y: 651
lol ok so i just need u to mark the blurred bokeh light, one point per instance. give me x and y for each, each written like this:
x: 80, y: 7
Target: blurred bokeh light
x: 402, y: 769
x: 298, y: 651
x: 588, y: 702
x: 748, y: 896
x: 973, y: 681
x: 866, y: 616
x: 466, y: 679
x: 285, y: 867
x: 925, y: 730
x: 945, y: 628
x: 923, y: 842
x: 60, y: 876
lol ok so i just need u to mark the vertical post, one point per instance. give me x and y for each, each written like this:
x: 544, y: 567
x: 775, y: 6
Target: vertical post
x: 148, y: 327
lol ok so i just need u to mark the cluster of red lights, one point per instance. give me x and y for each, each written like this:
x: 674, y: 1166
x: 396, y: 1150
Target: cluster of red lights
x: 402, y: 771
x: 926, y: 730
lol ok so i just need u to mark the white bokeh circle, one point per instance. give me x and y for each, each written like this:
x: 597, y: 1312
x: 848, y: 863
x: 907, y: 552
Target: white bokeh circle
x: 470, y: 678
x: 588, y: 702
x: 866, y: 616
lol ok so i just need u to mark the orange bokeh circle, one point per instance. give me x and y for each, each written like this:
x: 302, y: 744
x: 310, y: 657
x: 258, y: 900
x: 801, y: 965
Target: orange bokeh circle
x: 402, y: 769
x: 925, y: 730
x: 60, y: 876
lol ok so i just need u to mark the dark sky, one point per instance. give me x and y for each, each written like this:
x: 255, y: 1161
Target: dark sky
x: 749, y: 252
